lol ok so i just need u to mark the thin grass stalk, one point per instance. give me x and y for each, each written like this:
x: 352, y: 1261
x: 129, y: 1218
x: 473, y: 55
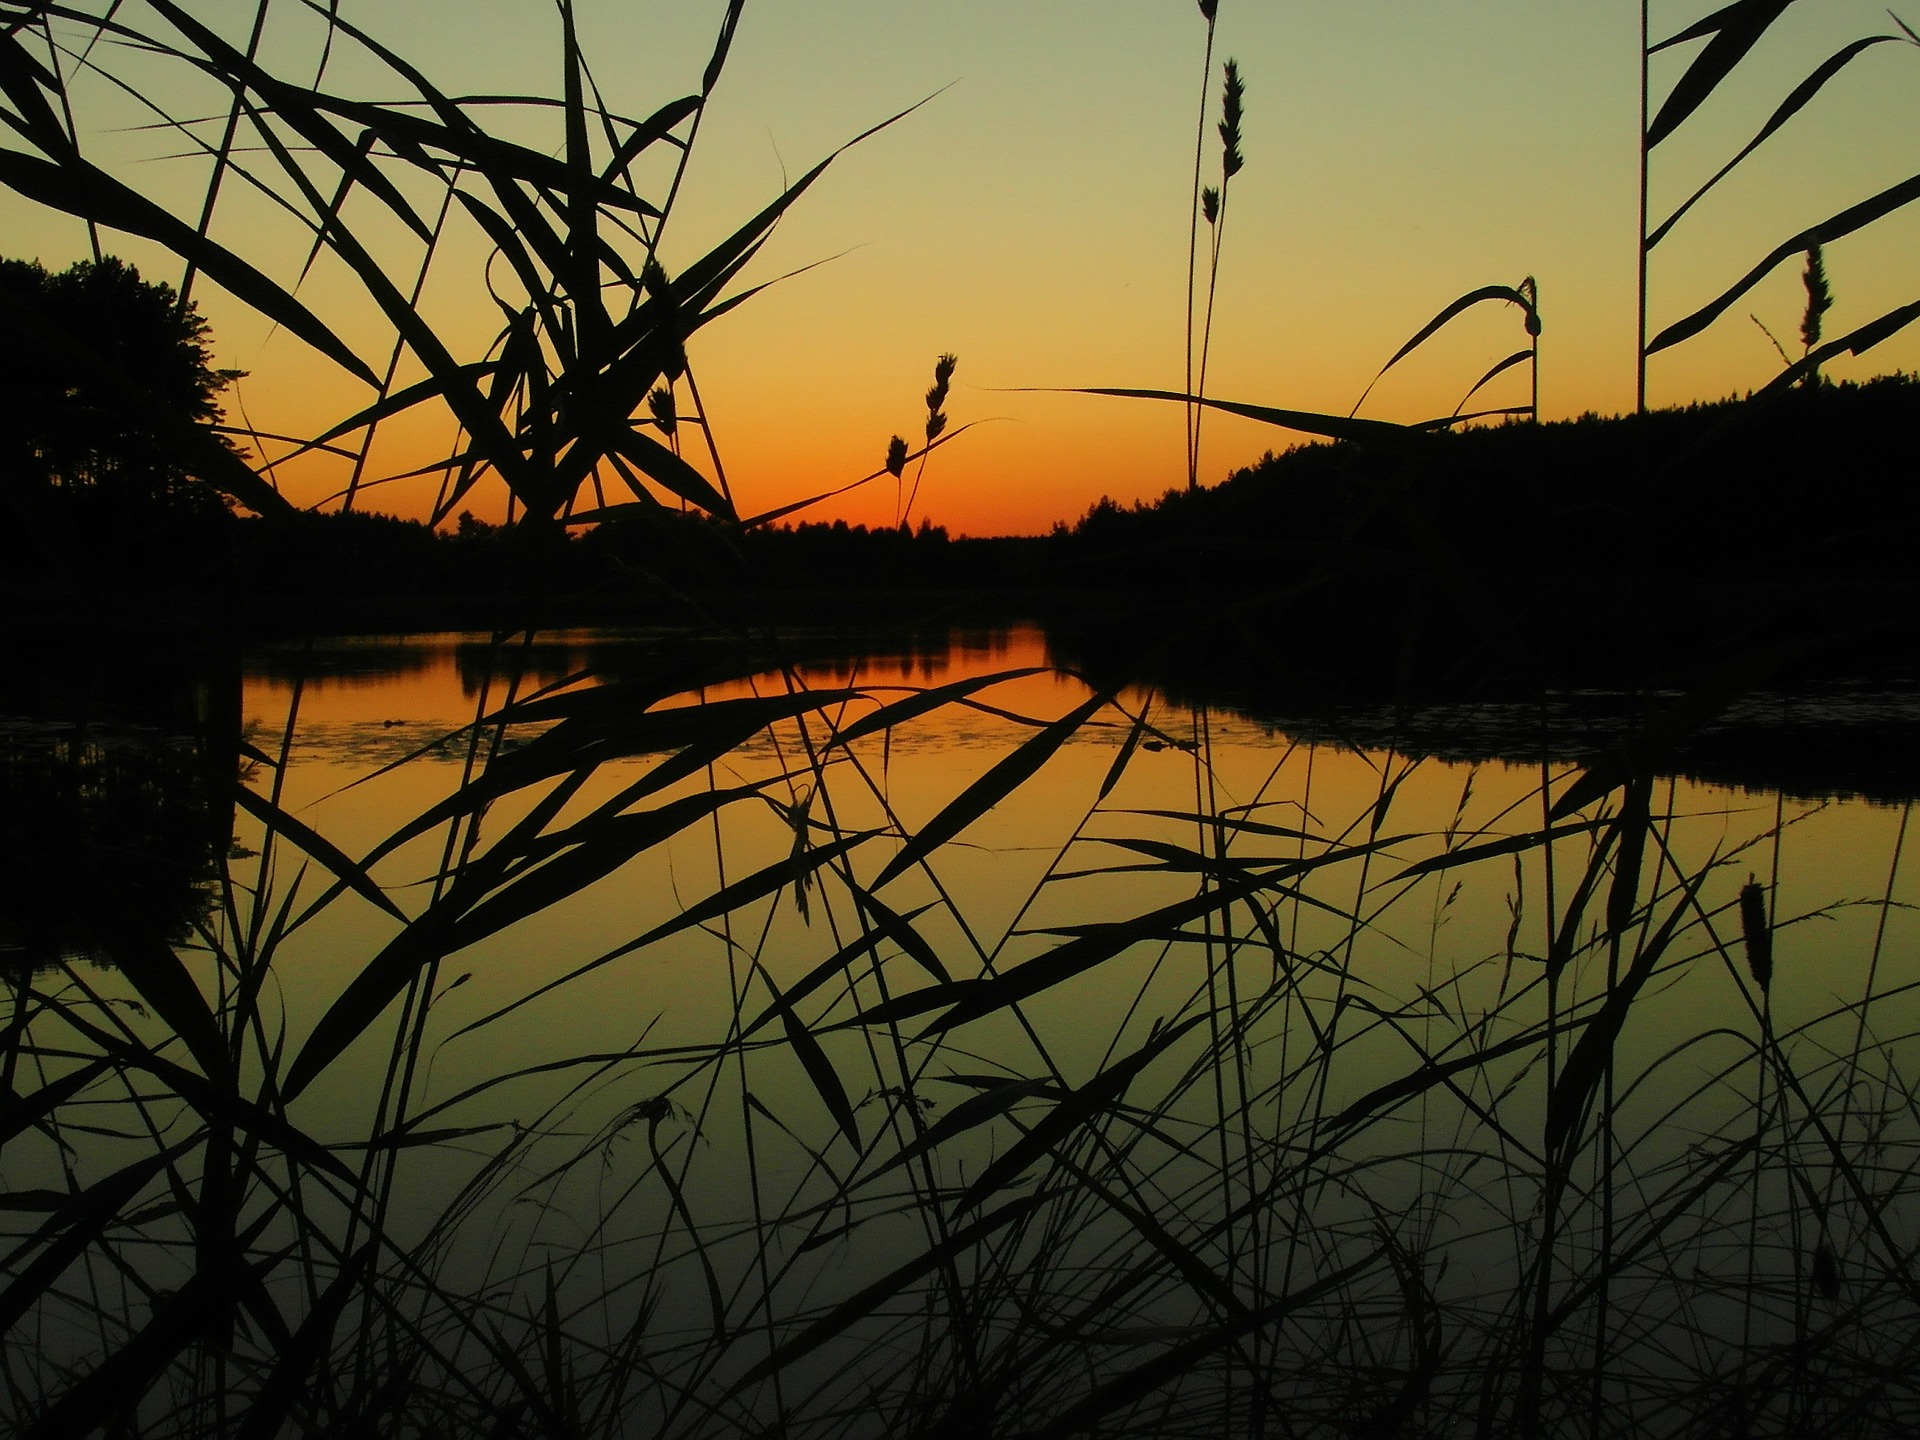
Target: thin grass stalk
x: 1215, y: 961
x: 1757, y: 921
x: 1192, y: 410
x: 1533, y: 1305
x: 73, y: 129
x: 379, y: 1170
x: 1214, y: 209
x: 936, y: 1220
x: 221, y: 155
x: 395, y: 355
x: 737, y: 992
x: 1640, y: 243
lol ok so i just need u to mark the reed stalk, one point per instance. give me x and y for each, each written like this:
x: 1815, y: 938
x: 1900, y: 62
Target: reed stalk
x: 1208, y: 12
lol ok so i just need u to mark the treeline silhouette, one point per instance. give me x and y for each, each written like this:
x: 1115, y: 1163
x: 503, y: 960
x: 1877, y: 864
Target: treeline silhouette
x: 1602, y: 546
x: 1635, y: 542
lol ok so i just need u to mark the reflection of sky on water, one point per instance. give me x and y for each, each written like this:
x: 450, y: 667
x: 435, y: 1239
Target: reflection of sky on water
x: 1041, y: 859
x: 1427, y: 972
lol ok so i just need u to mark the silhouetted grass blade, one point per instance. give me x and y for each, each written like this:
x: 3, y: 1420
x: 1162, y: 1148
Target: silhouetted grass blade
x: 1593, y: 1052
x: 1791, y: 106
x: 78, y: 188
x: 20, y: 1111
x: 1512, y: 845
x: 826, y: 1080
x: 1504, y: 294
x: 180, y: 1319
x: 655, y: 128
x: 22, y: 79
x: 924, y: 702
x: 280, y: 1390
x: 895, y: 1283
x: 1143, y: 1378
x: 990, y: 789
x: 996, y: 1100
x: 586, y: 852
x: 1096, y: 943
x: 1853, y: 218
x: 605, y: 724
x: 769, y: 880
x: 295, y: 107
x: 1519, y: 357
x: 1334, y: 427
x: 899, y: 929
x: 155, y: 971
x: 67, y: 1234
x: 220, y: 1104
x: 1663, y: 1212
x: 722, y: 46
x: 1127, y: 747
x: 288, y: 827
x: 1430, y: 1073
x: 1069, y: 1114
x: 660, y: 464
x: 834, y: 965
x: 1735, y: 29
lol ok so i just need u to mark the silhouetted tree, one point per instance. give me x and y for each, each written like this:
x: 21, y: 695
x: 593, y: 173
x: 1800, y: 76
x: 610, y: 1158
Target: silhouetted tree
x: 97, y: 359
x: 107, y: 393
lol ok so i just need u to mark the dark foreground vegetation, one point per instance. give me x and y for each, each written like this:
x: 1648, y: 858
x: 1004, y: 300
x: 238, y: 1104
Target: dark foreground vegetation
x: 665, y: 1052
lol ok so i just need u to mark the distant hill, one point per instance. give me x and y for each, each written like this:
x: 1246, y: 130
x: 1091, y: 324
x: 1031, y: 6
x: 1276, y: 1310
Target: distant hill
x: 1626, y: 548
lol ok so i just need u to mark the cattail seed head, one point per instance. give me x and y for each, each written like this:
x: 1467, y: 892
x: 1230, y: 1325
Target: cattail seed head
x: 1230, y: 110
x: 1757, y: 932
x: 1207, y: 9
x: 896, y: 456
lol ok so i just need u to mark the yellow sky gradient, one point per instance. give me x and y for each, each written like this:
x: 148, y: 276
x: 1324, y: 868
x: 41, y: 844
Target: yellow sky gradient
x: 1031, y: 218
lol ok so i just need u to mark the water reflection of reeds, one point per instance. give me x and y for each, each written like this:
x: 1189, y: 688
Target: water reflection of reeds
x: 107, y: 840
x: 1200, y: 1066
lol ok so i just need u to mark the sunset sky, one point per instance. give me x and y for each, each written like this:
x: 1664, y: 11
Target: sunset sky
x: 1031, y: 217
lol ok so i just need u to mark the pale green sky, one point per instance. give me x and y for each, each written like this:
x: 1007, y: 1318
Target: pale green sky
x: 1031, y: 216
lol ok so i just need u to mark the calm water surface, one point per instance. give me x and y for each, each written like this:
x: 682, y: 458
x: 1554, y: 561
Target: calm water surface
x: 639, y: 1043
x: 368, y: 749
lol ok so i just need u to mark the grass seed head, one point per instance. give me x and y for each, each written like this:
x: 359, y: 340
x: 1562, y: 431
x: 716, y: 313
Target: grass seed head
x: 1230, y: 109
x: 660, y: 403
x: 1819, y: 296
x: 943, y: 369
x: 1208, y: 8
x: 653, y: 279
x: 1210, y: 204
x: 896, y: 456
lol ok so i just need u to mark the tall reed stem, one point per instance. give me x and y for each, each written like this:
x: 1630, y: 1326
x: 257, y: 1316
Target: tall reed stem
x: 1192, y: 410
x: 1640, y: 242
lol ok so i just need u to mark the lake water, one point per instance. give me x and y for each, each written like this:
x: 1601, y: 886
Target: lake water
x: 1260, y: 1009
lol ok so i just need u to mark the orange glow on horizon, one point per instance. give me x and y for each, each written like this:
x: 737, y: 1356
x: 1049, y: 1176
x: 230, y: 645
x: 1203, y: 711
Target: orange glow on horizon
x: 1031, y: 218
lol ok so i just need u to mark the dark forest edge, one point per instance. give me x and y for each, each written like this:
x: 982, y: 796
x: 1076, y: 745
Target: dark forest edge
x: 1601, y: 550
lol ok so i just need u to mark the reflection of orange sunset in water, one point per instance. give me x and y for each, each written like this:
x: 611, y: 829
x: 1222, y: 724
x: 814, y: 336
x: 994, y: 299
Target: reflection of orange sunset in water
x: 1031, y: 218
